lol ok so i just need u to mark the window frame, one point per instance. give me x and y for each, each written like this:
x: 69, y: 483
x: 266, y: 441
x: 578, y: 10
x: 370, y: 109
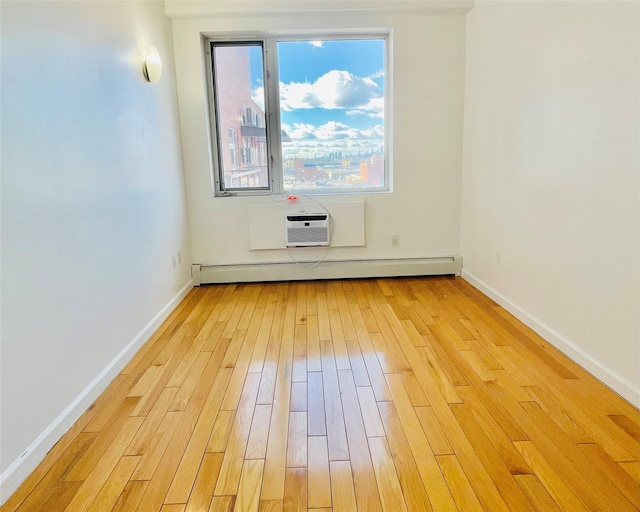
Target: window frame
x: 270, y: 64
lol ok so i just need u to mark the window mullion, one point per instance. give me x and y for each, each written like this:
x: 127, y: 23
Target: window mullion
x: 273, y: 115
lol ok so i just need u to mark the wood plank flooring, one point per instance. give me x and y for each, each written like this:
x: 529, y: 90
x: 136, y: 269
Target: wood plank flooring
x: 390, y: 395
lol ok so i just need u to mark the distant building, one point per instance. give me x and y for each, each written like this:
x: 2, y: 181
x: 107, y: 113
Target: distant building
x: 372, y: 170
x: 307, y: 173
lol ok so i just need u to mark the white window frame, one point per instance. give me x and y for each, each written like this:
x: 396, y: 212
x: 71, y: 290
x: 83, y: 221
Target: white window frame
x: 272, y: 113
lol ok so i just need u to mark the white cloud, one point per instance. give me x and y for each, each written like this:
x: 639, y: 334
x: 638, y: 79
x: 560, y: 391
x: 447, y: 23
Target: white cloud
x: 309, y: 140
x: 376, y: 109
x: 332, y: 130
x: 258, y: 97
x: 334, y: 90
x: 300, y: 131
x: 317, y: 44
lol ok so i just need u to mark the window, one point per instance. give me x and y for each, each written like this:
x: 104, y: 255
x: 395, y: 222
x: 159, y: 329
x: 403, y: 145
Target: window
x: 301, y: 116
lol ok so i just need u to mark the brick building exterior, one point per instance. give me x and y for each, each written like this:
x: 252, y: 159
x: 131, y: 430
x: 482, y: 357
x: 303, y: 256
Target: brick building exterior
x: 241, y: 122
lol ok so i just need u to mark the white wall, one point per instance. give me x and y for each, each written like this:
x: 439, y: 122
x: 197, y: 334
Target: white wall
x: 551, y: 174
x: 428, y: 81
x: 93, y: 205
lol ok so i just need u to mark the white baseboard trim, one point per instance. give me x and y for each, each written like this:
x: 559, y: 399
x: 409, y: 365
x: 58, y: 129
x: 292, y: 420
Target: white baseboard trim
x: 603, y: 373
x: 346, y: 269
x: 22, y: 467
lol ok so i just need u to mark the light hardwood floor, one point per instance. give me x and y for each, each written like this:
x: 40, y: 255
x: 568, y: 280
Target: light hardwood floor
x: 371, y: 395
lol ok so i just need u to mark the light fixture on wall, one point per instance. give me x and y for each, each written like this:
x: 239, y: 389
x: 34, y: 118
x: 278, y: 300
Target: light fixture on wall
x: 152, y: 65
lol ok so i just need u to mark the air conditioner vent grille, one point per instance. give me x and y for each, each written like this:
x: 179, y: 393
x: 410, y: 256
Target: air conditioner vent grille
x: 307, y: 230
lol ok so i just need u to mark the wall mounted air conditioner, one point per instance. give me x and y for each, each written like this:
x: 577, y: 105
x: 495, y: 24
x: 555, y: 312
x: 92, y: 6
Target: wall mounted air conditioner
x: 307, y: 229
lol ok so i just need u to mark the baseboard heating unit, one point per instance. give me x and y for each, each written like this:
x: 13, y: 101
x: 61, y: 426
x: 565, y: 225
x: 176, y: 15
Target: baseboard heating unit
x: 347, y: 269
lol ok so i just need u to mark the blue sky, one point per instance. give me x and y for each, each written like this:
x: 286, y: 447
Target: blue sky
x: 331, y: 95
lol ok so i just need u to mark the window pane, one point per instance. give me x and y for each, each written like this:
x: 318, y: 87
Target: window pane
x: 332, y: 113
x: 239, y: 94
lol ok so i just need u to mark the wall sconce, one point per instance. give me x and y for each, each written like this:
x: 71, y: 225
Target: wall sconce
x: 152, y: 66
